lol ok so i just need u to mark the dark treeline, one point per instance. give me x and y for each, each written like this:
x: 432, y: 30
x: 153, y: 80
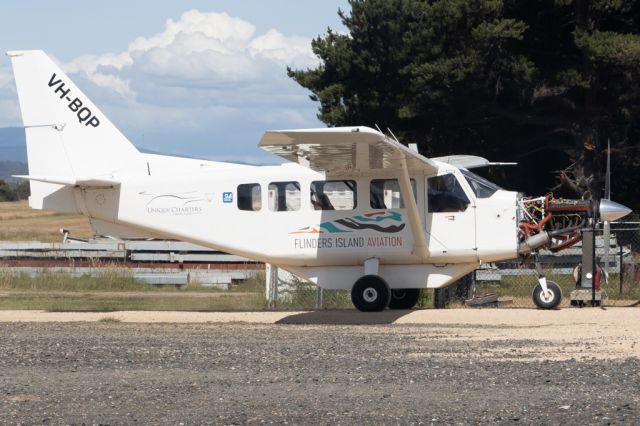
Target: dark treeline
x: 14, y: 191
x: 544, y: 83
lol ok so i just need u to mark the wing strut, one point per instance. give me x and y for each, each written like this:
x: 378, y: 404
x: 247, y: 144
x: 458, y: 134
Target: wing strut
x: 419, y: 240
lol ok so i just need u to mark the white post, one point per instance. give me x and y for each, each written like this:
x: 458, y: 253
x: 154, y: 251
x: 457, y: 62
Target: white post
x: 271, y: 272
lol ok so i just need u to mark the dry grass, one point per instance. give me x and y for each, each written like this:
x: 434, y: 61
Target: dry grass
x: 110, y: 290
x: 112, y: 302
x: 18, y: 222
x: 109, y: 319
x: 117, y: 290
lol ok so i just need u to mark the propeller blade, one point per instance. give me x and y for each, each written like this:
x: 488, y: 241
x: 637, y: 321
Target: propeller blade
x: 606, y: 236
x: 607, y: 181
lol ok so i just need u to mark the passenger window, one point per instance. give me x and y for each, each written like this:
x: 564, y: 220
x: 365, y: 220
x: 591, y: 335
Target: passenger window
x: 385, y: 194
x: 333, y: 195
x: 284, y: 196
x: 249, y: 197
x: 445, y: 194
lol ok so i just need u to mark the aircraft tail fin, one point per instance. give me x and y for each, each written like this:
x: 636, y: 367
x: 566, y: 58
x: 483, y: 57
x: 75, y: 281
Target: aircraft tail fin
x: 66, y: 134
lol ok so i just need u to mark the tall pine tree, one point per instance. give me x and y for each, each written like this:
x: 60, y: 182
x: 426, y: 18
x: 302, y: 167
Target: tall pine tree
x: 545, y: 83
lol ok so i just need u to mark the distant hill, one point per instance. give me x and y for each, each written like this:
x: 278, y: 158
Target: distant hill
x: 10, y: 168
x: 12, y: 145
x: 13, y: 153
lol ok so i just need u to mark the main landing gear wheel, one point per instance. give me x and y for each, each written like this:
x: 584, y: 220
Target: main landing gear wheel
x: 551, y: 299
x: 370, y: 293
x: 404, y: 298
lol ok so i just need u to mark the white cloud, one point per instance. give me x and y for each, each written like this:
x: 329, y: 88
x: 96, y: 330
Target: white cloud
x: 209, y: 48
x: 275, y: 46
x: 9, y: 109
x: 203, y: 72
x: 6, y: 77
x: 214, y: 26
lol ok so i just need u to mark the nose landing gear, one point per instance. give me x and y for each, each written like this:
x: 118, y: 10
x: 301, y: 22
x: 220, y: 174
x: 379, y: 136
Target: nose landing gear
x: 547, y: 294
x: 549, y: 297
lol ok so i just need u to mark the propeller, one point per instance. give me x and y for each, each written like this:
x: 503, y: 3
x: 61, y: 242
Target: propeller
x: 609, y: 211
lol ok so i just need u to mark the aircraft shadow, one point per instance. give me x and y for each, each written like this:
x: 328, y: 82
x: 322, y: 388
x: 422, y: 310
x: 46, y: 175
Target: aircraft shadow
x: 345, y: 317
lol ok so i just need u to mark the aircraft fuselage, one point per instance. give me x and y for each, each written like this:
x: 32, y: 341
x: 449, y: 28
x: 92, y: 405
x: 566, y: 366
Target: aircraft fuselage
x: 283, y: 224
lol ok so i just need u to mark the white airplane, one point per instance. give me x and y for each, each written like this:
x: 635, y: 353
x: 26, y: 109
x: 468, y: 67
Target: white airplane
x: 353, y: 209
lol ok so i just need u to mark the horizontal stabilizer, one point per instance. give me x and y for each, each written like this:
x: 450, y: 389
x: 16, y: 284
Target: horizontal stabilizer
x: 70, y: 181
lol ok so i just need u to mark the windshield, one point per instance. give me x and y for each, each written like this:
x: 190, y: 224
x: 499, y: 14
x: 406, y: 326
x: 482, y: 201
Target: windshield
x: 480, y: 186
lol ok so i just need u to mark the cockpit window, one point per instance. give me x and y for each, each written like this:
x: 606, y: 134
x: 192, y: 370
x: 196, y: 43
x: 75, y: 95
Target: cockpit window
x: 445, y: 194
x: 480, y: 186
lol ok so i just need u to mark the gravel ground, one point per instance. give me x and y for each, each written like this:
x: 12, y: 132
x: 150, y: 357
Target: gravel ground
x: 126, y: 373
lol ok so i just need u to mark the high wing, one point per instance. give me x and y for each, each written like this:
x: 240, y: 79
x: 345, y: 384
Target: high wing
x: 338, y: 151
x: 353, y: 151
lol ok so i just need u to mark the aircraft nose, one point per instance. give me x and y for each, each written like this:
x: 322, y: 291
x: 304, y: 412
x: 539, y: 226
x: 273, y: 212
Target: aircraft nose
x: 610, y: 210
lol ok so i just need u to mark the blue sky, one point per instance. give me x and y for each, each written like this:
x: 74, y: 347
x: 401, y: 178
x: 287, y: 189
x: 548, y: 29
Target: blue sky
x: 197, y: 78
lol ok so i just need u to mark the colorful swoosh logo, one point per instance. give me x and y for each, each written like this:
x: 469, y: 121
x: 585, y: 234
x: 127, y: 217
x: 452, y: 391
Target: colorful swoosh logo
x: 377, y: 221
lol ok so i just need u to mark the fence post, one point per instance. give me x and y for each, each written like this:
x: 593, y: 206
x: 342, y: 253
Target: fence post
x: 621, y: 275
x: 272, y: 285
x: 318, y: 297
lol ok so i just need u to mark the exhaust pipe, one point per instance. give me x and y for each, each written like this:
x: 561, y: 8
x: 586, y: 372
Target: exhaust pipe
x: 534, y: 242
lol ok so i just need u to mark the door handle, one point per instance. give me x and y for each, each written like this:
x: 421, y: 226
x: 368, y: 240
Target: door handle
x: 452, y: 217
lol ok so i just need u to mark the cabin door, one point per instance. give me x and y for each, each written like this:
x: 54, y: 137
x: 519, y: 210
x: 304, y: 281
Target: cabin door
x: 450, y: 218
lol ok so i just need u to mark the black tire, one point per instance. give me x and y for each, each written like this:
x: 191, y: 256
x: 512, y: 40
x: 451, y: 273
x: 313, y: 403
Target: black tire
x: 553, y: 299
x: 404, y: 298
x: 370, y: 294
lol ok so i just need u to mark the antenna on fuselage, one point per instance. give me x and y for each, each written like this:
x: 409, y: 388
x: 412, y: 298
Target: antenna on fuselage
x: 392, y: 135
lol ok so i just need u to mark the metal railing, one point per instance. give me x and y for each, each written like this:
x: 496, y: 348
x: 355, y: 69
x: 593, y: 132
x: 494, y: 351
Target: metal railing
x: 155, y: 262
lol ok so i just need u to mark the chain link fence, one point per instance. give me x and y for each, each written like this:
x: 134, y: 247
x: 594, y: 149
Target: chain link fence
x: 286, y: 291
x: 502, y: 284
x: 619, y: 280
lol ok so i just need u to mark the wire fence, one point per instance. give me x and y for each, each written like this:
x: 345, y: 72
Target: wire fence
x: 617, y: 278
x: 506, y: 284
x: 501, y: 284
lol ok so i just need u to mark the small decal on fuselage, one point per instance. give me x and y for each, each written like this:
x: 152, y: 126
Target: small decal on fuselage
x: 177, y: 204
x: 227, y: 197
